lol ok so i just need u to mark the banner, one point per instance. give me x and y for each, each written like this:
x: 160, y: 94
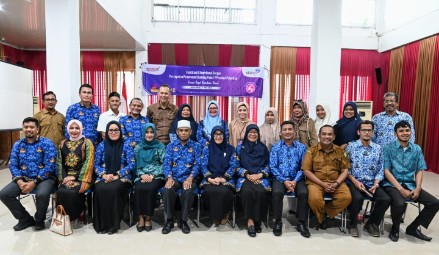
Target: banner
x: 204, y: 80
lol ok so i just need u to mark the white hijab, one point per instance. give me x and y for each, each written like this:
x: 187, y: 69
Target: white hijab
x: 326, y: 120
x: 79, y: 123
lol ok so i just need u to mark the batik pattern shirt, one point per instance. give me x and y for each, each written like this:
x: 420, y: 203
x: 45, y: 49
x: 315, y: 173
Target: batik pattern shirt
x: 203, y: 136
x: 285, y: 161
x: 89, y: 118
x: 127, y: 166
x: 132, y: 129
x: 155, y: 167
x: 33, y: 161
x: 404, y: 163
x: 385, y: 124
x: 367, y: 162
x: 181, y: 161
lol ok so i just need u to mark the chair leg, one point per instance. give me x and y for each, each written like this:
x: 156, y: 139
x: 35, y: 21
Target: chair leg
x: 233, y: 224
x: 198, y: 210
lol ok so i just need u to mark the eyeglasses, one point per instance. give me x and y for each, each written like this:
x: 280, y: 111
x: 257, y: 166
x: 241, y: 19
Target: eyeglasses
x: 113, y: 131
x: 218, y: 135
x: 366, y: 130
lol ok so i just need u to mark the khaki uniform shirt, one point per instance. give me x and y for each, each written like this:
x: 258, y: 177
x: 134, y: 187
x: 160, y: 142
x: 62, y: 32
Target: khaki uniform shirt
x: 326, y: 166
x: 162, y: 118
x: 52, y: 125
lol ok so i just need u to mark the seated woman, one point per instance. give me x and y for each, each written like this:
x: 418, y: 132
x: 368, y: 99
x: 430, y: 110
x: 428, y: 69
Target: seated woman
x: 114, y: 162
x: 270, y: 130
x: 303, y: 124
x: 149, y: 175
x: 346, y: 128
x: 184, y: 113
x: 251, y: 161
x: 238, y: 125
x: 218, y: 181
x: 75, y: 170
x: 210, y: 120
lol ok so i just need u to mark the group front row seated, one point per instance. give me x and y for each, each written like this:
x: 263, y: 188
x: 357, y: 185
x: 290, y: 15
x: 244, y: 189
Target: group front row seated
x: 389, y: 176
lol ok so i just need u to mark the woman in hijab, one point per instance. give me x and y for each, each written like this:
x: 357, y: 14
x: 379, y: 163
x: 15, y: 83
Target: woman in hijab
x: 303, y: 125
x: 251, y: 161
x: 75, y: 170
x: 218, y: 181
x: 238, y: 125
x: 211, y: 119
x: 114, y: 162
x: 149, y: 175
x: 184, y: 113
x: 346, y: 128
x: 270, y: 130
x: 323, y: 114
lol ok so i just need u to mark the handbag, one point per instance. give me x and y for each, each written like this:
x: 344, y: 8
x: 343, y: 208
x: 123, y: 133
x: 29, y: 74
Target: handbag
x: 61, y: 222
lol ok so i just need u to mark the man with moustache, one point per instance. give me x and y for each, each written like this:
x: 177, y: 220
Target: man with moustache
x: 285, y: 162
x: 32, y: 168
x: 326, y: 168
x: 112, y: 113
x: 162, y: 114
x: 181, y: 166
x: 364, y: 180
x: 132, y: 123
x: 403, y: 167
x: 52, y: 122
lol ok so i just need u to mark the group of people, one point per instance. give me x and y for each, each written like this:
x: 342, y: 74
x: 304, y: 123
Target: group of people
x: 169, y: 152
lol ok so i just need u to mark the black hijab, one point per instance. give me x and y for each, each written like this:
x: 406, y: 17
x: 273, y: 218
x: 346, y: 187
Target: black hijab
x: 346, y: 128
x: 219, y: 154
x: 194, y: 124
x: 113, y: 150
x: 253, y: 155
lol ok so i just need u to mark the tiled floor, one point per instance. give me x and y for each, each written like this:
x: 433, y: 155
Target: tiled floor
x: 210, y: 240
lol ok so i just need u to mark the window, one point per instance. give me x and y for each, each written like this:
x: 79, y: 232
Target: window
x: 358, y: 13
x: 294, y: 12
x: 205, y: 11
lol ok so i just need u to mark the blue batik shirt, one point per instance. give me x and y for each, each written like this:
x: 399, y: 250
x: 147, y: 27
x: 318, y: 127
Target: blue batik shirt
x: 367, y: 162
x: 33, y: 161
x: 385, y: 124
x: 127, y: 166
x: 181, y: 161
x: 403, y: 164
x: 285, y: 161
x: 89, y: 118
x: 132, y: 129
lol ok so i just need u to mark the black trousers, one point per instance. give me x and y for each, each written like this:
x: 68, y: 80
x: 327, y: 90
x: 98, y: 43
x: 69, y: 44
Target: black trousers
x: 254, y: 199
x: 382, y: 203
x: 9, y: 194
x: 277, y: 196
x: 186, y: 199
x: 398, y: 205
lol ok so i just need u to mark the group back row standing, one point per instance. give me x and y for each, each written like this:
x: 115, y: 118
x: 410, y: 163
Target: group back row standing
x: 134, y: 150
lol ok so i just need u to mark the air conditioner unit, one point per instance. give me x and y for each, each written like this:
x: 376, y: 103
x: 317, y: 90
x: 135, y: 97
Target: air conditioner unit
x: 36, y: 104
x: 365, y: 109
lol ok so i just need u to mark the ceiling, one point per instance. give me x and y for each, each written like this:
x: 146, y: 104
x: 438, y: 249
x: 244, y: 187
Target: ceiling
x: 22, y: 25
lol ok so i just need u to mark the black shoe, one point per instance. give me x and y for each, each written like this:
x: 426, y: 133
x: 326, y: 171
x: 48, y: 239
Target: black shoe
x: 140, y: 228
x: 39, y: 225
x: 322, y: 225
x: 258, y: 227
x: 184, y: 227
x: 251, y: 231
x: 148, y: 228
x: 277, y: 229
x: 104, y: 231
x: 24, y: 224
x: 394, y: 235
x: 418, y: 234
x: 112, y: 231
x: 303, y: 230
x: 169, y: 225
x: 372, y: 229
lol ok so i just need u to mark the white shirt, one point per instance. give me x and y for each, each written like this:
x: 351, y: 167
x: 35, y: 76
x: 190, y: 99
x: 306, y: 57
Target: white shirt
x: 107, y: 117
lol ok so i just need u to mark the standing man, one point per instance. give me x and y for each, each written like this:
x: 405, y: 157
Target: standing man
x: 52, y: 122
x: 181, y: 166
x: 364, y: 180
x: 385, y: 121
x: 326, y: 168
x: 87, y: 113
x: 285, y: 160
x: 403, y: 167
x: 32, y: 168
x: 162, y: 114
x: 132, y: 123
x: 112, y: 113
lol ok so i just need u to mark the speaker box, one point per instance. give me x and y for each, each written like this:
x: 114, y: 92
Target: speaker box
x: 378, y: 75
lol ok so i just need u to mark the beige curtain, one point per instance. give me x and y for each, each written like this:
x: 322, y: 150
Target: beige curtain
x: 395, y: 72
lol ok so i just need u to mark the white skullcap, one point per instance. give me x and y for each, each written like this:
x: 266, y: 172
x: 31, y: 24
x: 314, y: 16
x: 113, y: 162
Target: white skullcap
x: 183, y: 124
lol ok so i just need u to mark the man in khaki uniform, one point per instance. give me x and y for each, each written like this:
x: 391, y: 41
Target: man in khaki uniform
x: 51, y: 121
x: 326, y: 168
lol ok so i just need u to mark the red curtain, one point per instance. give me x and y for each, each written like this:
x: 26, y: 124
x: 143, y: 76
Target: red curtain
x: 251, y: 58
x: 154, y: 57
x: 381, y: 89
x: 411, y: 54
x: 303, y: 71
x: 93, y: 73
x: 224, y: 58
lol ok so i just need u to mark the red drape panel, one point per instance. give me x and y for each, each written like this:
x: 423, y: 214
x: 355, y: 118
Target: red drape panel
x: 181, y: 59
x: 379, y: 90
x: 433, y: 119
x: 251, y: 58
x: 411, y: 54
x: 224, y: 58
x: 154, y: 53
x: 303, y: 78
x: 93, y: 74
